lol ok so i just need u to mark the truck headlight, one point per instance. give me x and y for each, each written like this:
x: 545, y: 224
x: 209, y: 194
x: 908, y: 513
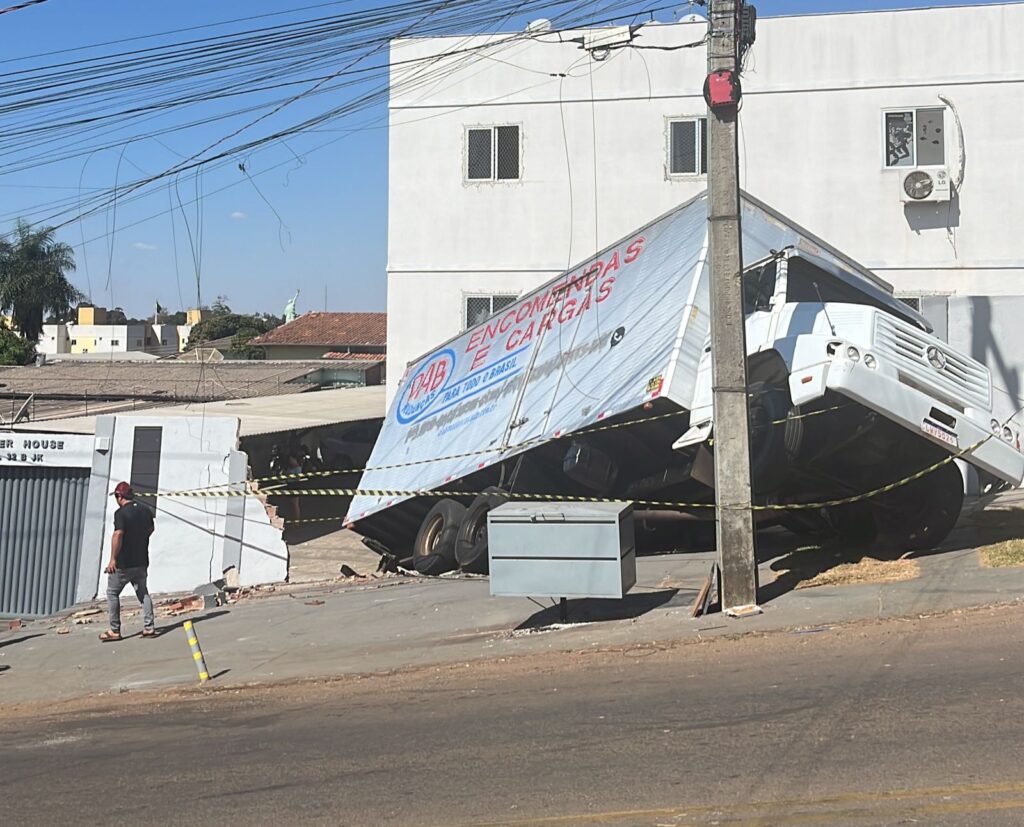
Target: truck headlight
x: 870, y: 361
x: 994, y: 425
x: 852, y: 354
x: 1007, y: 434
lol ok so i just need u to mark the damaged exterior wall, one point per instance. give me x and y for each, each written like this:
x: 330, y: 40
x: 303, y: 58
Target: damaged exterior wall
x: 188, y: 546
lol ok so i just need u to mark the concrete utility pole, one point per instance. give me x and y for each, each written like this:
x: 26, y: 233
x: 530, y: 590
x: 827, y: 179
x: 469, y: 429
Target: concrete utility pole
x: 728, y: 331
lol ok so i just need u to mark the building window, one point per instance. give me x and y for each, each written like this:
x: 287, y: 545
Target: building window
x: 74, y: 341
x: 687, y: 146
x: 145, y: 476
x: 492, y: 153
x: 478, y: 308
x: 915, y: 137
x: 138, y: 343
x: 115, y: 342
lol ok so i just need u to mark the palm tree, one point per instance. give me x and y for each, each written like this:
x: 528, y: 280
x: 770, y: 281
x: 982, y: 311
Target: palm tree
x: 33, y: 278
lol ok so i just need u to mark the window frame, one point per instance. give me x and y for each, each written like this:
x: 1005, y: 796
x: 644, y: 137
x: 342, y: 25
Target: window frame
x: 146, y: 462
x: 701, y: 161
x: 890, y: 110
x: 480, y: 295
x: 493, y: 129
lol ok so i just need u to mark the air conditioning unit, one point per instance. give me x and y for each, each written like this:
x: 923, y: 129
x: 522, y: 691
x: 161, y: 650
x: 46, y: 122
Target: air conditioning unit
x: 920, y: 186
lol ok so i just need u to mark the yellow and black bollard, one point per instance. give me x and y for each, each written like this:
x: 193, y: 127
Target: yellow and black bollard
x: 197, y: 653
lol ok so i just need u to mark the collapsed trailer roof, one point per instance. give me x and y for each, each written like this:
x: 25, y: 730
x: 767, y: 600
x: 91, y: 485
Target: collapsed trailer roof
x: 624, y: 328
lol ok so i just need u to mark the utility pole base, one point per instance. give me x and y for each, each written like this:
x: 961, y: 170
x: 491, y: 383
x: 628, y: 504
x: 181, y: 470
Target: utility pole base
x: 748, y: 610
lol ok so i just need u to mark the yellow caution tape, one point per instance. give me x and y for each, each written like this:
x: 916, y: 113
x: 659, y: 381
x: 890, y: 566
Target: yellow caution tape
x: 307, y: 475
x: 539, y: 497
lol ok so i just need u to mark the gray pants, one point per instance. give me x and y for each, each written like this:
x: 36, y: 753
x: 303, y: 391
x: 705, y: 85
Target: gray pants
x: 115, y: 585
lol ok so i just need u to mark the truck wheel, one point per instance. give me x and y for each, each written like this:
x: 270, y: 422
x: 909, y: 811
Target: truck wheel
x: 434, y: 550
x: 769, y: 461
x: 920, y: 514
x: 471, y: 541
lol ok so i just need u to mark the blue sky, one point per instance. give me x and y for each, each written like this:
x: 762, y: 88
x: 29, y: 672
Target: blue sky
x: 332, y: 203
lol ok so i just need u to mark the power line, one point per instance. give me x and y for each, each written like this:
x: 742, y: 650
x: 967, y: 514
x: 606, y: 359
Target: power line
x: 21, y: 6
x: 433, y: 68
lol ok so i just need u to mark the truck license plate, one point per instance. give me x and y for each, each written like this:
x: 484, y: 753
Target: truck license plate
x: 940, y: 433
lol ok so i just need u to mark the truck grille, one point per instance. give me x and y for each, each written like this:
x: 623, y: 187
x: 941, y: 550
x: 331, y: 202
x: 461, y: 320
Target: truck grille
x: 958, y: 379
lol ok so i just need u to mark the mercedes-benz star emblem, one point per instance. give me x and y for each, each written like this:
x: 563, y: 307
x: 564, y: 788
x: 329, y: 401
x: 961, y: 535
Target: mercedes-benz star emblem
x: 936, y: 358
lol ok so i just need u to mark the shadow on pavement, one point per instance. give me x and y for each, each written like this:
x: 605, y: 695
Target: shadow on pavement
x: 21, y: 639
x: 163, y: 630
x: 796, y: 563
x: 591, y: 609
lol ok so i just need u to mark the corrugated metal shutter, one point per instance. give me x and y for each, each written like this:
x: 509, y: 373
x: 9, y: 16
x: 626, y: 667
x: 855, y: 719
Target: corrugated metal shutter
x: 42, y: 511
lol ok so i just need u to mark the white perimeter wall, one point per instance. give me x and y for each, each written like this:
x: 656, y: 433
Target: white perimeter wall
x: 187, y: 547
x: 594, y: 154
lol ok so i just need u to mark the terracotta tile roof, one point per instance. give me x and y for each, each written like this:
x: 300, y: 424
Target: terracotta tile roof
x: 336, y: 330
x: 356, y: 357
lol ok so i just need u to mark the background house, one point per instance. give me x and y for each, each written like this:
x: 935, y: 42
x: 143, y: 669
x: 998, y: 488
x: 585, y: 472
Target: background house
x: 353, y: 340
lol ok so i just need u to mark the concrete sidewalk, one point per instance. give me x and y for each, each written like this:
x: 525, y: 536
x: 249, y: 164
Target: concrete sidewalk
x: 330, y: 629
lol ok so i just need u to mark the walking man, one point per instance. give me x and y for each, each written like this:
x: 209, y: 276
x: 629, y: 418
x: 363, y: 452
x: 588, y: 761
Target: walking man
x: 129, y: 561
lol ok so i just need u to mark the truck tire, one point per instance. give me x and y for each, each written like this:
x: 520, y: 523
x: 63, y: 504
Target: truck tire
x: 471, y: 541
x: 769, y: 456
x: 919, y: 515
x: 434, y: 549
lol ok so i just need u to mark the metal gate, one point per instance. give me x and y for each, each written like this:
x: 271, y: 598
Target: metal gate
x: 42, y: 512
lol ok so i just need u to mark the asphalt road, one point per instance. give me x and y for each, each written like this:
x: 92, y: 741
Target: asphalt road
x: 892, y: 723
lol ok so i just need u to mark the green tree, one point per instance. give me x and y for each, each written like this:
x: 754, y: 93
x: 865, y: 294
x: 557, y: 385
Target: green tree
x: 240, y: 343
x: 238, y: 327
x: 33, y: 278
x: 220, y: 306
x: 14, y: 350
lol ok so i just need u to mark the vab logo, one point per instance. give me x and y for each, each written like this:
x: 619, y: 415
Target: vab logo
x: 425, y: 385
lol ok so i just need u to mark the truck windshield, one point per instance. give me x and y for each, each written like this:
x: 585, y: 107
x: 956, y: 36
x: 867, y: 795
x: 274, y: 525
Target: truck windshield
x: 808, y: 283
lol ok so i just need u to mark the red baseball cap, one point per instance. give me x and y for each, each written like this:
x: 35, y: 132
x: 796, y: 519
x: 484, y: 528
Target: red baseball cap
x: 123, y: 490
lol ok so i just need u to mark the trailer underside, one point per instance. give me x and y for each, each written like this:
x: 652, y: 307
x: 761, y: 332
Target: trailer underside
x: 831, y: 449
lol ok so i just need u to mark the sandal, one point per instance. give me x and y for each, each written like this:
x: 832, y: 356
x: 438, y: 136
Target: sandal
x: 149, y: 632
x: 110, y: 637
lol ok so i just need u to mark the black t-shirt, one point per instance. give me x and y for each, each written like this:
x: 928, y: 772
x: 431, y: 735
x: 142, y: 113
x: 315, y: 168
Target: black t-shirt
x: 136, y: 521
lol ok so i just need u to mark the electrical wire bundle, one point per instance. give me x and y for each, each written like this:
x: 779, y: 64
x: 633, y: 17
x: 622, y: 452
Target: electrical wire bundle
x: 260, y: 84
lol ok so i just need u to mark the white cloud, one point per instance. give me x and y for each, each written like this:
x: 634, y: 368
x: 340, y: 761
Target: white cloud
x: 238, y: 216
x: 142, y: 245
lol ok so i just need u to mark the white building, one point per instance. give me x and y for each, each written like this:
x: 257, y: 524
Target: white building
x: 520, y: 155
x: 92, y: 334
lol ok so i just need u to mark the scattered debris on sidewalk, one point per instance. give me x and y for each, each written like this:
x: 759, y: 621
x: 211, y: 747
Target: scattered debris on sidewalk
x: 15, y: 624
x: 192, y: 603
x: 314, y: 603
x: 348, y: 571
x: 64, y: 630
x: 87, y: 612
x: 1001, y: 555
